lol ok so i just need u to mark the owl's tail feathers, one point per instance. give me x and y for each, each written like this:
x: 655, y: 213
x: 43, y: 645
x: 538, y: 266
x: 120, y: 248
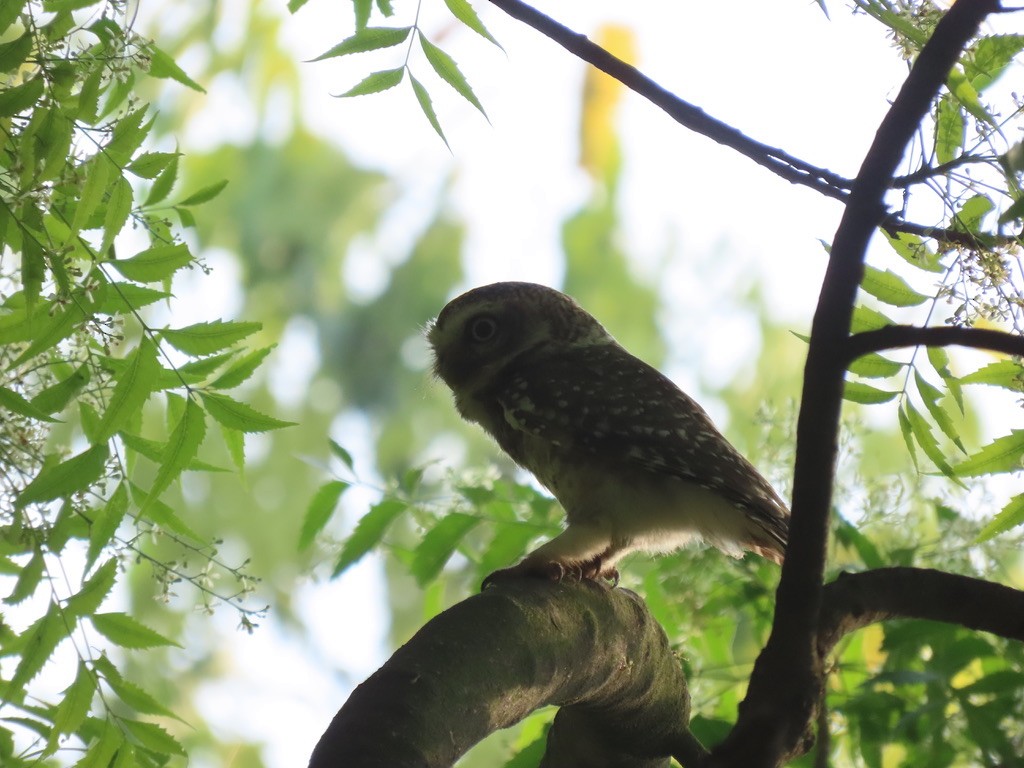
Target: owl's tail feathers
x: 772, y: 535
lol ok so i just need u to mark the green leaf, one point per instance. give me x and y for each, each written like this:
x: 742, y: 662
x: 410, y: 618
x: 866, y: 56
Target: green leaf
x: 119, y: 206
x: 128, y: 134
x: 362, y: 10
x: 908, y: 435
x: 41, y: 640
x: 874, y: 366
x: 922, y: 432
x: 234, y: 441
x: 890, y: 288
x: 940, y: 362
x: 161, y: 514
x: 182, y: 447
x: 149, y: 165
x: 125, y: 298
x: 63, y: 478
x: 968, y: 218
x: 131, y: 694
x: 859, y: 392
x: 9, y: 12
x: 75, y: 703
x: 125, y: 631
x: 28, y: 579
x: 102, y: 751
x: 965, y: 93
x: 375, y: 83
x: 154, y: 450
x: 236, y: 415
x: 990, y: 58
x: 1003, y: 454
x: 438, y: 545
x: 105, y: 523
x: 242, y: 369
x: 164, y: 183
x: 343, y: 455
x: 134, y: 386
x: 367, y: 39
x: 206, y: 338
x: 153, y: 737
x: 368, y: 533
x: 56, y: 6
x: 97, y: 180
x: 950, y: 130
x: 931, y: 396
x: 93, y: 592
x: 15, y: 403
x: 163, y: 66
x: 14, y: 53
x: 320, y: 510
x: 464, y: 12
x: 20, y: 97
x: 155, y: 264
x: 205, y: 194
x: 1008, y: 374
x: 294, y: 5
x: 54, y: 398
x: 448, y: 70
x: 914, y: 251
x: 428, y: 107
x: 1009, y: 517
x: 865, y: 319
x: 850, y: 536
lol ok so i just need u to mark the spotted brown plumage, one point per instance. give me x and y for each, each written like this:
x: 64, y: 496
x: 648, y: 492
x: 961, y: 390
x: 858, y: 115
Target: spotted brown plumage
x: 635, y: 462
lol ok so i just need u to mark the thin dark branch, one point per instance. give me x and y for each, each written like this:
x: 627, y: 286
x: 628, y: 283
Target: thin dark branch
x: 855, y: 600
x: 897, y: 336
x: 944, y: 235
x: 786, y: 684
x: 930, y: 171
x: 791, y: 168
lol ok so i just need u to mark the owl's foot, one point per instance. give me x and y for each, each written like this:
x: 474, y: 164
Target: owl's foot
x: 592, y: 571
x: 528, y: 569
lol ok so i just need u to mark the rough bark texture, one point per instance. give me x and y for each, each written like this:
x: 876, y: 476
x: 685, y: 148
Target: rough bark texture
x: 489, y: 661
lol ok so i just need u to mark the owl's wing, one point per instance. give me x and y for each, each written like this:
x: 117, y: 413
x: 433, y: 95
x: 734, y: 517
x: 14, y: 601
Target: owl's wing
x: 603, y: 401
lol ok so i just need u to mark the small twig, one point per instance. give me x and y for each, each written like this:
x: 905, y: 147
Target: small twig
x: 974, y: 240
x: 896, y: 336
x: 930, y: 171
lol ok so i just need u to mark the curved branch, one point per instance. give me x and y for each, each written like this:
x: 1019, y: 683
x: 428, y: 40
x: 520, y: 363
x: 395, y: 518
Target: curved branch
x: 855, y: 600
x: 785, y: 686
x: 489, y: 661
x: 896, y: 336
x: 791, y: 168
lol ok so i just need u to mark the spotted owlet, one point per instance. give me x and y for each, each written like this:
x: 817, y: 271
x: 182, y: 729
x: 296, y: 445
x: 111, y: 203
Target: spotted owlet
x: 635, y: 463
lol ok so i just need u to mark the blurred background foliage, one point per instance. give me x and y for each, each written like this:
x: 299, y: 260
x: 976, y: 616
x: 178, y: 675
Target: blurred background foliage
x: 297, y: 221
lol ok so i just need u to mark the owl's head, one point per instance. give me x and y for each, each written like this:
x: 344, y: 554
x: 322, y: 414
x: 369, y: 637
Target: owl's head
x: 483, y: 330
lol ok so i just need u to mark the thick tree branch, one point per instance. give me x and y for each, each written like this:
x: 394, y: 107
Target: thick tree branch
x: 791, y: 168
x: 786, y: 684
x: 489, y: 661
x: 855, y: 600
x: 896, y: 336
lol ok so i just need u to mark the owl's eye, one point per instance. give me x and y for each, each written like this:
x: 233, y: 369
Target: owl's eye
x: 482, y: 329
